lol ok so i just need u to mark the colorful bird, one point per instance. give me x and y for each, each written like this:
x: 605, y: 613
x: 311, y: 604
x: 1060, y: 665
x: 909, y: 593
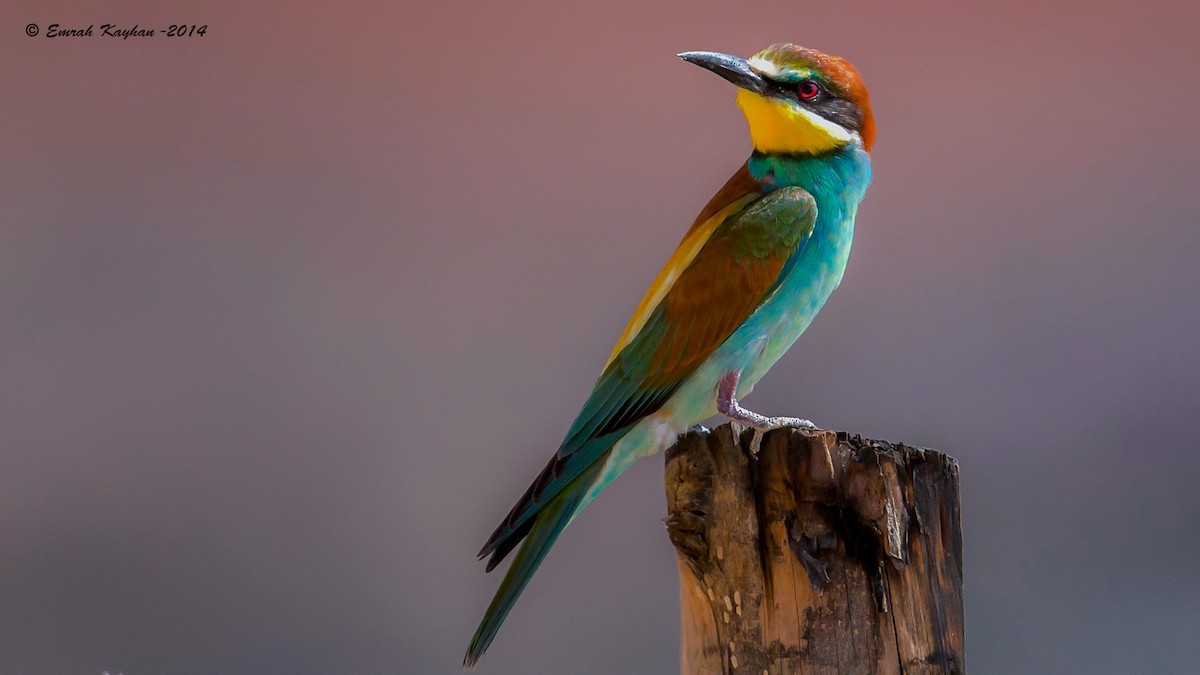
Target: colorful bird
x: 747, y: 279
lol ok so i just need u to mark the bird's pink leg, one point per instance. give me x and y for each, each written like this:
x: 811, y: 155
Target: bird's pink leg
x: 727, y: 405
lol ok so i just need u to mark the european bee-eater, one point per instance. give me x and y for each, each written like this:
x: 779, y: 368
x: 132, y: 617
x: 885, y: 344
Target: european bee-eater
x: 747, y: 279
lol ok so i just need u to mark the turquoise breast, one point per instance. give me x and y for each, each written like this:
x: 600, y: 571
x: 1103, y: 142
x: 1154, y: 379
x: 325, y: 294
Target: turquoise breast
x: 837, y: 182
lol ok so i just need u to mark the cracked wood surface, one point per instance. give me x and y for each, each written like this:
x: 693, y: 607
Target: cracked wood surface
x: 829, y: 554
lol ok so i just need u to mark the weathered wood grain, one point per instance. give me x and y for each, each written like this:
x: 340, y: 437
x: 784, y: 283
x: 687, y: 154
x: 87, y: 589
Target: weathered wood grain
x: 828, y: 554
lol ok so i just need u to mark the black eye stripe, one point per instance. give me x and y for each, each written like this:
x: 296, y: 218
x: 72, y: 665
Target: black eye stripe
x: 781, y: 89
x: 790, y: 88
x: 827, y: 103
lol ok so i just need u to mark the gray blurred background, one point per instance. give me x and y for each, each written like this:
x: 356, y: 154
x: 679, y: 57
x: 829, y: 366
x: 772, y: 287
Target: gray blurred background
x: 292, y: 313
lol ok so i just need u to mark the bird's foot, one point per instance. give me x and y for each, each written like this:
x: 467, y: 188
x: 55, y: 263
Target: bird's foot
x: 772, y: 423
x: 788, y: 423
x: 727, y: 405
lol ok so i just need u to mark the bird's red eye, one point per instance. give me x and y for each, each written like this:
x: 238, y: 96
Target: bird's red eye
x: 808, y: 90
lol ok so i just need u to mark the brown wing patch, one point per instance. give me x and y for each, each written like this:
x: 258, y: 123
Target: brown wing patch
x: 728, y: 279
x: 708, y: 303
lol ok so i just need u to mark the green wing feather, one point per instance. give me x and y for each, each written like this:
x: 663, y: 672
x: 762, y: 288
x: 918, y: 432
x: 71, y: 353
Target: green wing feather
x: 730, y: 277
x: 552, y: 520
x: 735, y: 271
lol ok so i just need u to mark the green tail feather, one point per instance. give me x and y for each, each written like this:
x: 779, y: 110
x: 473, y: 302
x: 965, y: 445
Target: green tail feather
x: 549, y: 524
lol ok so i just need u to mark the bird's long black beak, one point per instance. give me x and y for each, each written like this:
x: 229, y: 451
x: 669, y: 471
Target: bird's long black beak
x: 733, y: 68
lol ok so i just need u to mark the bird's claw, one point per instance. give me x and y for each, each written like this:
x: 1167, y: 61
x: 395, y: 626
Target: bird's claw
x: 790, y: 423
x: 772, y: 423
x: 756, y: 442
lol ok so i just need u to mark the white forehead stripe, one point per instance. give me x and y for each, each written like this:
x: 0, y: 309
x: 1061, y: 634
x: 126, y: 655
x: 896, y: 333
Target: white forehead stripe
x: 764, y: 67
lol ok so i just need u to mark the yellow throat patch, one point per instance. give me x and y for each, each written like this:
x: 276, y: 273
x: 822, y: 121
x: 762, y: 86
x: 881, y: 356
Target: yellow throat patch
x: 777, y: 126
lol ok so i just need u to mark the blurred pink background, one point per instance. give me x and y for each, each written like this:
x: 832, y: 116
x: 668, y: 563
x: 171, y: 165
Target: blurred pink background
x: 293, y: 312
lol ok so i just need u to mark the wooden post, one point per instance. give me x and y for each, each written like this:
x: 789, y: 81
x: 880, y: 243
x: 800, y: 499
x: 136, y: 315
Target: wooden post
x: 828, y: 554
